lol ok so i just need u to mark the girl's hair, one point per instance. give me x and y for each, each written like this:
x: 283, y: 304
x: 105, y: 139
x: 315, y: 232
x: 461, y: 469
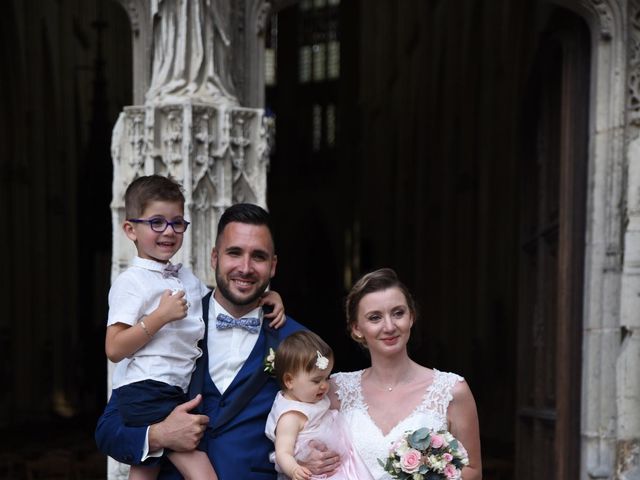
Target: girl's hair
x: 376, y: 281
x: 299, y: 352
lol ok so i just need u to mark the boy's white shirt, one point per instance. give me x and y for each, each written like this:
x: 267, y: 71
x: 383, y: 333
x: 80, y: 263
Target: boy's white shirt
x: 171, y: 354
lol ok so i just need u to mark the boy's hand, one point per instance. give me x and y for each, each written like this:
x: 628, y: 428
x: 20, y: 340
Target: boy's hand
x: 276, y: 315
x: 173, y: 306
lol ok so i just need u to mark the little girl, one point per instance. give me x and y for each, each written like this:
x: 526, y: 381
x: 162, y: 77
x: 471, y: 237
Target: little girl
x: 300, y: 411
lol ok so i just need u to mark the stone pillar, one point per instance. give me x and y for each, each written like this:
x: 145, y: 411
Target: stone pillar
x: 605, y: 253
x: 191, y: 124
x: 217, y: 152
x: 628, y: 361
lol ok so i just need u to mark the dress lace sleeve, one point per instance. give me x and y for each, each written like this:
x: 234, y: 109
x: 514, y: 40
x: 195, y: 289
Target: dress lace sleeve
x: 348, y: 390
x: 440, y: 393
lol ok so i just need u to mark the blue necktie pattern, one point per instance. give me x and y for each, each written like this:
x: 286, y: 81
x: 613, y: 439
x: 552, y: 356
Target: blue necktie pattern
x: 250, y: 324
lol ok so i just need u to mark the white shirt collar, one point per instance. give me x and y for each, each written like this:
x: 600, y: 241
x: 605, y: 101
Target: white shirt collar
x: 148, y: 264
x: 217, y: 309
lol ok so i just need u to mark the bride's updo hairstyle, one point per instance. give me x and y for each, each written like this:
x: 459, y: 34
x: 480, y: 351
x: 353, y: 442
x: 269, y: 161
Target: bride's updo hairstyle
x: 299, y: 352
x: 376, y: 281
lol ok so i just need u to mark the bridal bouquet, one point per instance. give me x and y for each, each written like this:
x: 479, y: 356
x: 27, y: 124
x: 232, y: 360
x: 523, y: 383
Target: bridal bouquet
x: 426, y: 455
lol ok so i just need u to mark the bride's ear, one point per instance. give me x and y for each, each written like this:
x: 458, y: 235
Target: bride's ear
x: 357, y: 336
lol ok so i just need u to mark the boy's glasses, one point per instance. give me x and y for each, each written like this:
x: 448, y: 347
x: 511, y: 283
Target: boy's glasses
x: 160, y: 224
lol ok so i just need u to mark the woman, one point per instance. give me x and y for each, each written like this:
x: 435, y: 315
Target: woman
x: 395, y: 394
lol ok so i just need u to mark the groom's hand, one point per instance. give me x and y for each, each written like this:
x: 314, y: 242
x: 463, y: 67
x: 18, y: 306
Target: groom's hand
x: 321, y: 460
x: 181, y: 431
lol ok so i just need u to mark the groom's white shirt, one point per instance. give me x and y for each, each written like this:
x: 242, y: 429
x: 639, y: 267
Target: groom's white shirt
x: 228, y: 350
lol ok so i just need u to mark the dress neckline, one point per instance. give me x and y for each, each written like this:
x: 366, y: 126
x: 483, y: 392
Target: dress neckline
x: 416, y: 409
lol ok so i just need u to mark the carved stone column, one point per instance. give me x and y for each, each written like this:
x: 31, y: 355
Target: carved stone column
x: 217, y: 152
x: 190, y: 123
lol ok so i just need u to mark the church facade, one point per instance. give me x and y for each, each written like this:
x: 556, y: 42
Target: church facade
x: 487, y: 151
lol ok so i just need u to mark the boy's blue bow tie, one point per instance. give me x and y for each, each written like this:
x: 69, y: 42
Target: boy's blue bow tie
x: 251, y: 325
x: 171, y: 270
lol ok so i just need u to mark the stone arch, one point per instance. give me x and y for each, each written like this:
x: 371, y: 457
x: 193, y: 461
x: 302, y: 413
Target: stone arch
x: 604, y: 236
x: 205, y: 216
x: 603, y: 16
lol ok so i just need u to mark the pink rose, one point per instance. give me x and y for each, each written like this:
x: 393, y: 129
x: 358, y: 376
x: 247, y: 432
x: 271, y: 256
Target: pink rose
x: 437, y: 441
x: 451, y: 471
x: 396, y: 445
x: 447, y: 457
x: 410, y: 461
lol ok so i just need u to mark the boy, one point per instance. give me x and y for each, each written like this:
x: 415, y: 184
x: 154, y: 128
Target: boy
x: 155, y: 318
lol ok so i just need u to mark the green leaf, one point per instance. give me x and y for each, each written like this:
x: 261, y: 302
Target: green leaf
x: 420, y: 439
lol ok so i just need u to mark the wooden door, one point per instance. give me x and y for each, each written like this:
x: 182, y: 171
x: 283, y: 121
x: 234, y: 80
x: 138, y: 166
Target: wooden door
x: 552, y: 254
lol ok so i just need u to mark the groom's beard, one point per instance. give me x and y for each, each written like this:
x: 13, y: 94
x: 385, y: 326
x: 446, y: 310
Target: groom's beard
x: 223, y: 285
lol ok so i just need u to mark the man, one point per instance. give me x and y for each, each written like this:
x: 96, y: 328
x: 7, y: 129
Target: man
x: 229, y: 385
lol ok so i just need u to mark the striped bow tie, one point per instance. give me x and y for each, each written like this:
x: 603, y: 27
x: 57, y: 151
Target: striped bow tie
x: 171, y: 270
x: 251, y: 325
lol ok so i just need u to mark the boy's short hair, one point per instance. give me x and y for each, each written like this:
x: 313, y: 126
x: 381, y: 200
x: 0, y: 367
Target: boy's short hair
x: 299, y: 352
x: 151, y: 188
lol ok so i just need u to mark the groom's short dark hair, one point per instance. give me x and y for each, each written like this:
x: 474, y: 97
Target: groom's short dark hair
x: 247, y: 213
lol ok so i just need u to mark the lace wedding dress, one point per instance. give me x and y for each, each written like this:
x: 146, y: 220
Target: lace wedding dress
x: 368, y: 439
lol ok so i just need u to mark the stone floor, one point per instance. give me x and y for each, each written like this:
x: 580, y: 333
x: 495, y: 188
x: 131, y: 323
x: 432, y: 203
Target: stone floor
x: 58, y: 449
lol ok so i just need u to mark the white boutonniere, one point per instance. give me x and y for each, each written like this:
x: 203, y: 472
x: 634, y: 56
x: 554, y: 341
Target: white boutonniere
x: 270, y: 361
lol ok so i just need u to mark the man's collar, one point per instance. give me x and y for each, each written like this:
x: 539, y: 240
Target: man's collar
x: 217, y: 308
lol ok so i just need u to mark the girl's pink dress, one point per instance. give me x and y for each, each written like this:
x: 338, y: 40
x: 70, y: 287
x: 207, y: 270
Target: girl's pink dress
x: 323, y: 425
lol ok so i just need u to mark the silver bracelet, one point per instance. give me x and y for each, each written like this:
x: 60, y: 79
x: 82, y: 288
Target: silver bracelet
x: 144, y: 327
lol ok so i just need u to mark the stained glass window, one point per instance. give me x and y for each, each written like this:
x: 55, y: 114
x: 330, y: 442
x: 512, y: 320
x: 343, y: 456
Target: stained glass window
x: 319, y: 58
x: 331, y: 125
x: 333, y: 60
x: 319, y: 62
x: 315, y: 64
x: 271, y: 52
x: 316, y: 127
x: 304, y: 67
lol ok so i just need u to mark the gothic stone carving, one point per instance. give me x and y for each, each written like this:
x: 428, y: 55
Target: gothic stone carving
x: 191, y: 50
x: 218, y: 154
x: 634, y: 63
